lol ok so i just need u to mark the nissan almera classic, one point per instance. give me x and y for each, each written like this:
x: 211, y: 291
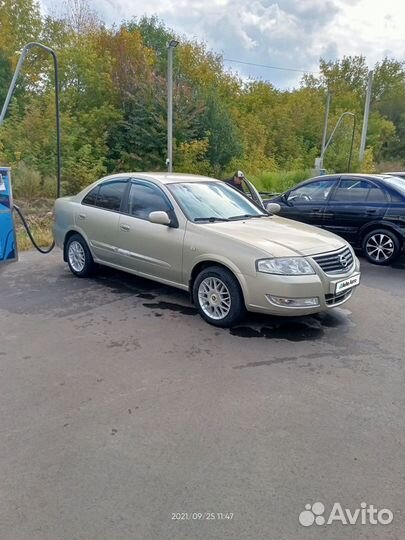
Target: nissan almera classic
x: 203, y: 236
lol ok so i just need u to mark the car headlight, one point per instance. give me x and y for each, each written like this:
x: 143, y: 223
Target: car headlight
x: 291, y: 266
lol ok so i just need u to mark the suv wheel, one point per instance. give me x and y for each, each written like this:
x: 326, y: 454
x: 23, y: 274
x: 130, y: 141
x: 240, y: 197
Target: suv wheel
x: 381, y: 246
x: 78, y: 256
x: 217, y: 294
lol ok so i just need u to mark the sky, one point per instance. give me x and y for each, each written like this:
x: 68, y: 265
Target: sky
x: 285, y: 33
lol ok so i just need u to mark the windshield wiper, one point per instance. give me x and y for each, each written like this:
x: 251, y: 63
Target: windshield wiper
x: 244, y: 216
x: 211, y: 219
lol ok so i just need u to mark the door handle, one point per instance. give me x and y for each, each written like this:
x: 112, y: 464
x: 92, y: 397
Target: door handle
x: 371, y: 211
x: 125, y: 228
x: 316, y: 210
x: 82, y: 216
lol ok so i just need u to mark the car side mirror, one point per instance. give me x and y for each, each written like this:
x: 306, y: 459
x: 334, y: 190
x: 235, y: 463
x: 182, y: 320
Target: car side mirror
x: 273, y: 208
x: 159, y: 217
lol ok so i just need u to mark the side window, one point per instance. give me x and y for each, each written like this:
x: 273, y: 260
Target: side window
x: 312, y: 192
x: 111, y: 194
x: 376, y: 195
x: 144, y: 199
x: 352, y: 190
x: 396, y: 197
x: 91, y: 197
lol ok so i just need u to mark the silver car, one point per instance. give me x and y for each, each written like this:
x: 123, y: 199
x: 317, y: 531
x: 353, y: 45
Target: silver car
x: 203, y: 236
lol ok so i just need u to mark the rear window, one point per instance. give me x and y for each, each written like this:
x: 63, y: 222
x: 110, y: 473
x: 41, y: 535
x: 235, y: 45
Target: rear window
x: 351, y: 190
x: 108, y: 195
x: 91, y: 197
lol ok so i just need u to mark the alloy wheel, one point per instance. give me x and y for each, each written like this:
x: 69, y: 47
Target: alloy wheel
x: 77, y: 256
x: 214, y: 298
x: 380, y: 247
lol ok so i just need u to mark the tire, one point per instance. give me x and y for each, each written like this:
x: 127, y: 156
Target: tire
x: 218, y: 297
x: 381, y: 246
x: 78, y: 256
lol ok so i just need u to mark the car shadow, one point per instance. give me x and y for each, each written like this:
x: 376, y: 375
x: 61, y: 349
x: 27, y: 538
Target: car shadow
x: 399, y: 264
x: 159, y: 298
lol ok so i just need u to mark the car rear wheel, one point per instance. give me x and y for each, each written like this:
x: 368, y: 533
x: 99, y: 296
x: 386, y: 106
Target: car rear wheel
x: 218, y: 297
x: 78, y: 256
x: 381, y: 246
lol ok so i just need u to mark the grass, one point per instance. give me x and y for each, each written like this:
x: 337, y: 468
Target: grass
x: 280, y: 181
x: 38, y: 214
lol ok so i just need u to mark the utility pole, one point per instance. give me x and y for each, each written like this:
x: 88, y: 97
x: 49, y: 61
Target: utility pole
x: 170, y: 48
x: 365, y: 117
x: 351, y: 144
x: 325, y: 129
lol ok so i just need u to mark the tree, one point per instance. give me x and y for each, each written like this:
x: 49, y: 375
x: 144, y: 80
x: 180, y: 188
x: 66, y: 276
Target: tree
x: 20, y: 22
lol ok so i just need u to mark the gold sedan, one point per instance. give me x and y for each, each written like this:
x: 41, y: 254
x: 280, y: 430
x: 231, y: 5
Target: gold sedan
x: 203, y: 236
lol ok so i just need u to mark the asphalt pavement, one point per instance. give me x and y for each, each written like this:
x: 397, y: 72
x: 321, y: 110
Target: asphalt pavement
x: 125, y: 416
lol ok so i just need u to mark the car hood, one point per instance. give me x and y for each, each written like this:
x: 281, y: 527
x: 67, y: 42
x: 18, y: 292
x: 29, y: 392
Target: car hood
x: 279, y: 237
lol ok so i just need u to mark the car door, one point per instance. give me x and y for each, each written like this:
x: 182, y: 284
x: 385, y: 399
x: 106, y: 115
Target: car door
x: 150, y: 249
x: 251, y: 191
x: 308, y: 202
x: 98, y: 218
x: 355, y: 202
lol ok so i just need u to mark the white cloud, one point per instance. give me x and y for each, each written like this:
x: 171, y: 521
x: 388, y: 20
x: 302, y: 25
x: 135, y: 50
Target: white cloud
x: 374, y: 28
x: 285, y: 33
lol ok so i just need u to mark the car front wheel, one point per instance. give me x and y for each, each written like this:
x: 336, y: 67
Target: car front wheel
x: 381, y: 246
x: 218, y: 297
x: 78, y: 256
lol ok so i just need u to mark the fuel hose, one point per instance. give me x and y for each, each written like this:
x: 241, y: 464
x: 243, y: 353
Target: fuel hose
x: 26, y: 226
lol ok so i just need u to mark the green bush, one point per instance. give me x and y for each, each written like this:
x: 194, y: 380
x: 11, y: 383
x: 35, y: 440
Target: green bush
x: 280, y: 181
x: 28, y: 184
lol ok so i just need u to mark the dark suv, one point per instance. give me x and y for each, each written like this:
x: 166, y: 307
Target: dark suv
x: 368, y: 210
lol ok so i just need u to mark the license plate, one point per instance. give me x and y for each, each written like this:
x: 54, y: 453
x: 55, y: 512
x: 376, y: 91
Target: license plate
x: 348, y: 283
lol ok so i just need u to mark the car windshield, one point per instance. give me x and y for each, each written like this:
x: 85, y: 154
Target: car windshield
x: 397, y: 182
x: 213, y: 201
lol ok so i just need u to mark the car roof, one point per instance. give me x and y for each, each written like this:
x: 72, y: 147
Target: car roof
x: 334, y: 176
x: 361, y: 175
x: 162, y: 177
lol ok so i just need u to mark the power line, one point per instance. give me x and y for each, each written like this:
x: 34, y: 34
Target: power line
x: 270, y: 67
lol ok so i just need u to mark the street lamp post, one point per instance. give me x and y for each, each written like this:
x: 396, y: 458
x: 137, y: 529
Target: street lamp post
x: 170, y: 47
x: 13, y: 83
x: 347, y: 113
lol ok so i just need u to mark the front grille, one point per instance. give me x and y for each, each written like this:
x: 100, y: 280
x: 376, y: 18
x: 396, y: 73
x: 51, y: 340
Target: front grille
x: 334, y: 299
x: 336, y: 262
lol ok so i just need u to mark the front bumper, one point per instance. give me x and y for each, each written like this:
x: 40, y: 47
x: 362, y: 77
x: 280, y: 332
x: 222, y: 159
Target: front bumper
x: 257, y: 290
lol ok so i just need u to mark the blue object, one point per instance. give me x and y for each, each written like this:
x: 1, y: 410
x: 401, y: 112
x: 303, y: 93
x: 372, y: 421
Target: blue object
x: 8, y: 245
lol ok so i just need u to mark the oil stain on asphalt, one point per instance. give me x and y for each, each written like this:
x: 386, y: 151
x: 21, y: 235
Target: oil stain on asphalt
x: 291, y: 331
x: 171, y: 306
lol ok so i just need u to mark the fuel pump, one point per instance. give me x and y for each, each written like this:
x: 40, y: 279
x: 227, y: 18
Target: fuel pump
x: 8, y: 243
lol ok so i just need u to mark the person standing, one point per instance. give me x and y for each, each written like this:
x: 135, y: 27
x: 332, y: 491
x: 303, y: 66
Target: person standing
x: 236, y: 180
